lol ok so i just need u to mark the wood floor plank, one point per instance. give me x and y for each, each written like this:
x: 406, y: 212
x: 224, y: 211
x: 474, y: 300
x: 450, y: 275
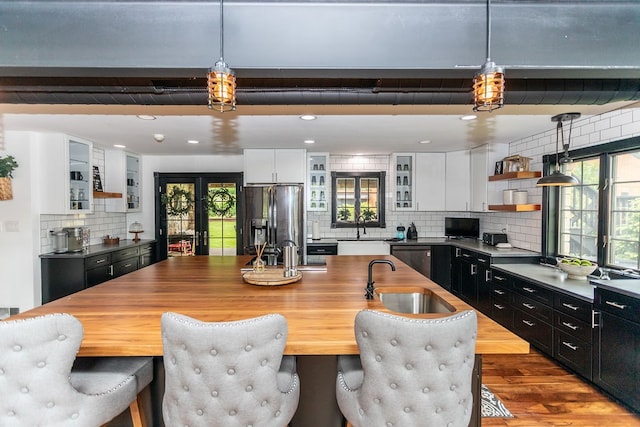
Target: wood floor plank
x: 540, y: 392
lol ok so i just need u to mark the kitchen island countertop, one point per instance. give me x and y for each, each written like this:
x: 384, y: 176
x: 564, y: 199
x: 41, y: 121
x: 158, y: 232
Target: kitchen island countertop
x: 121, y: 317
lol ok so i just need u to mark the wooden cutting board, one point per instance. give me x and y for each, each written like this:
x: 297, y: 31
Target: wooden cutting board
x: 270, y: 277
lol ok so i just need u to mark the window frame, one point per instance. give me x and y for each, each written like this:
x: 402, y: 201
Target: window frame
x: 380, y: 176
x: 551, y: 198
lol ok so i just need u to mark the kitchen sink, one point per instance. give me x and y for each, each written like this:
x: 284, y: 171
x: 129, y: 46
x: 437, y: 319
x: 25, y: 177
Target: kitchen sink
x: 413, y: 301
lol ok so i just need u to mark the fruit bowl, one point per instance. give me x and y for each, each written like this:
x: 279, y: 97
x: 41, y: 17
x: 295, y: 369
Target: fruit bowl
x: 576, y: 271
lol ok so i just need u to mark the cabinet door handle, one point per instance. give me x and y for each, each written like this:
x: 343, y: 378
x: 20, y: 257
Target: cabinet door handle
x: 498, y: 291
x: 110, y: 270
x: 570, y: 326
x: 529, y: 306
x: 571, y: 306
x: 206, y: 238
x: 499, y: 306
x: 616, y: 305
x: 474, y: 269
x: 528, y: 323
x: 571, y: 346
x: 458, y: 252
x: 531, y: 291
x: 487, y: 275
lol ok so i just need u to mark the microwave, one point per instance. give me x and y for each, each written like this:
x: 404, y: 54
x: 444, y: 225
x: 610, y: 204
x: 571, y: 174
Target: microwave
x: 494, y: 238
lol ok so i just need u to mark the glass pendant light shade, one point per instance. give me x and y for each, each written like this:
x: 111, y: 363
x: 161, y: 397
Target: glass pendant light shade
x: 221, y: 86
x: 488, y: 88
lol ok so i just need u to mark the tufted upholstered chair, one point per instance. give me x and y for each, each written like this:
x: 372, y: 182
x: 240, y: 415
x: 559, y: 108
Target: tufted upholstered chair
x: 410, y: 372
x: 39, y: 388
x: 222, y: 374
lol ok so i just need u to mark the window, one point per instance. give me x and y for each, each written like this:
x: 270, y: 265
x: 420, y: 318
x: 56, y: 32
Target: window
x: 599, y: 219
x: 358, y: 198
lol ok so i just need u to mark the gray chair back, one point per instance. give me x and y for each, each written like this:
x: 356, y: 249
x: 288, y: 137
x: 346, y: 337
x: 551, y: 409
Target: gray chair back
x: 228, y: 373
x: 410, y: 373
x: 36, y: 357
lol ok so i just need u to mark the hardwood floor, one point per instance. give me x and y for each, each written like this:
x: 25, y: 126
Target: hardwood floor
x: 539, y: 392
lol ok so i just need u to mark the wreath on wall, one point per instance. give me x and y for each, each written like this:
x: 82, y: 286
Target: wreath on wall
x: 179, y: 202
x: 220, y: 202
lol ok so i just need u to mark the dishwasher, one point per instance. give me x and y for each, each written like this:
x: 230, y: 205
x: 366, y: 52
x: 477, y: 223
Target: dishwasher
x: 415, y: 256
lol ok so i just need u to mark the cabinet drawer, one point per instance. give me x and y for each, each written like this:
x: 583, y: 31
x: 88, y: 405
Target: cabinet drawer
x: 468, y: 255
x: 533, y: 308
x: 499, y: 278
x: 98, y: 261
x: 125, y: 266
x: 534, y: 291
x: 533, y: 330
x: 618, y: 304
x: 322, y: 250
x: 124, y: 254
x: 574, y: 353
x: 502, y: 313
x: 145, y: 249
x: 501, y: 294
x: 573, y: 306
x: 572, y: 326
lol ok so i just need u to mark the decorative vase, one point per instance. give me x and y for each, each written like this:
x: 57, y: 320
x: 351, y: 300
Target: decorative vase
x: 258, y: 265
x: 5, y: 189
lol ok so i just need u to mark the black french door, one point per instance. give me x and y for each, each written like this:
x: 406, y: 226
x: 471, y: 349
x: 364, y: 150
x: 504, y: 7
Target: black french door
x: 198, y: 214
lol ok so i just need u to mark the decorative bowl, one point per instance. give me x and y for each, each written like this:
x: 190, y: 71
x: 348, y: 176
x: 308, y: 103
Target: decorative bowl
x: 577, y: 271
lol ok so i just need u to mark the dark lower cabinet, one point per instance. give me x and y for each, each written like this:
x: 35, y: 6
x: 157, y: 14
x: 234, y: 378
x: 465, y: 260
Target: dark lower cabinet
x: 65, y: 274
x: 617, y: 368
x: 441, y: 265
x: 534, y: 330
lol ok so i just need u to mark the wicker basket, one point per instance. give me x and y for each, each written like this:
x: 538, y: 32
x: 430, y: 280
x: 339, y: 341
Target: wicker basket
x: 5, y: 189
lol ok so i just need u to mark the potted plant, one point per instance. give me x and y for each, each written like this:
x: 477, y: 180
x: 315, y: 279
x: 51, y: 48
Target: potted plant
x: 7, y: 165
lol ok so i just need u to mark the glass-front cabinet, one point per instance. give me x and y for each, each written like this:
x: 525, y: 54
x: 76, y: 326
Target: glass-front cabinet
x: 123, y: 170
x: 403, y: 181
x: 65, y: 172
x: 318, y: 190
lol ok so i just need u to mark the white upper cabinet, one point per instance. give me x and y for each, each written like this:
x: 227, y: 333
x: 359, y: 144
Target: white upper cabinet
x: 267, y: 166
x: 403, y: 188
x: 66, y: 175
x: 483, y: 160
x: 457, y: 181
x: 430, y: 181
x: 122, y: 175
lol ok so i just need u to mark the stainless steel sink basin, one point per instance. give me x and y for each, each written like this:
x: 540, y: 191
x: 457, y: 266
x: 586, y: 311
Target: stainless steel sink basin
x: 413, y: 301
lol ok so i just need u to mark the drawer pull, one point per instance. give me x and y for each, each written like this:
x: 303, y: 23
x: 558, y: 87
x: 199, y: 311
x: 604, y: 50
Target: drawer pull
x: 571, y: 306
x: 499, y: 306
x: 499, y: 278
x: 528, y: 323
x: 499, y: 292
x: 482, y: 260
x: 529, y: 306
x: 531, y: 291
x: 570, y: 326
x: 466, y: 255
x: 127, y: 265
x: 100, y: 261
x: 616, y: 305
x: 571, y: 346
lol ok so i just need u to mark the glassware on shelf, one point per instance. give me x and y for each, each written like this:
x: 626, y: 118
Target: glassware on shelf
x: 405, y: 181
x: 399, y: 181
x: 313, y: 180
x: 322, y: 180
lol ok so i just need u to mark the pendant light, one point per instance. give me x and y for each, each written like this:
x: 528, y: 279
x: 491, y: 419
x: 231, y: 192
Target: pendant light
x: 557, y: 178
x: 221, y: 80
x: 488, y: 84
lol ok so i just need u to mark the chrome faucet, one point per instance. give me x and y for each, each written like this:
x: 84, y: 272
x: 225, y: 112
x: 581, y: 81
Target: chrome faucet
x: 370, y: 282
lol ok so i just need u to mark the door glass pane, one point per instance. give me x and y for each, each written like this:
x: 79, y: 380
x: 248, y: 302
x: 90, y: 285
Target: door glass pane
x: 222, y: 204
x: 180, y: 207
x: 624, y: 224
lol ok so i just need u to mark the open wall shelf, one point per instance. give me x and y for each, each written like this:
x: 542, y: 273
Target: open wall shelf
x: 516, y: 175
x: 515, y: 208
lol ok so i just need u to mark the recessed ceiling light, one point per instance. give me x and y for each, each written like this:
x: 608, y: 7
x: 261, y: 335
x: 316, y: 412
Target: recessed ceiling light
x: 309, y: 141
x: 146, y: 117
x: 158, y: 137
x: 426, y: 141
x: 119, y: 146
x: 308, y: 117
x: 469, y: 117
x: 192, y: 141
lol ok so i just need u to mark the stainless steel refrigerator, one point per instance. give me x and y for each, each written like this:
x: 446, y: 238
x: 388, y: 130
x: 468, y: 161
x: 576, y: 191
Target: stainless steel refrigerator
x: 274, y: 214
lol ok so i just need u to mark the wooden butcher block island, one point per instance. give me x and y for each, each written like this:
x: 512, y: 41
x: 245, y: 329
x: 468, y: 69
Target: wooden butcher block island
x: 122, y: 316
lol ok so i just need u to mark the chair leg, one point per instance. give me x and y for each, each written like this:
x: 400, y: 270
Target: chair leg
x: 137, y: 414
